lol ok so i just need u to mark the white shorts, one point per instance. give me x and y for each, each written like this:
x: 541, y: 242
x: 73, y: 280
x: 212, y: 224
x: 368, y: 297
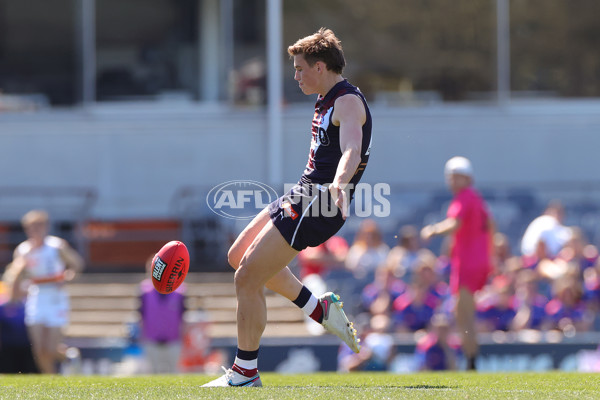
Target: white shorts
x: 48, y: 306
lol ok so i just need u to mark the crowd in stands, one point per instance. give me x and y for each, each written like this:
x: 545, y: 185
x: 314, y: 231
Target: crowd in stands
x: 551, y: 283
x: 554, y: 284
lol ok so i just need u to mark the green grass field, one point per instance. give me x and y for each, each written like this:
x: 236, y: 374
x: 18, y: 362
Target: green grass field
x: 553, y: 385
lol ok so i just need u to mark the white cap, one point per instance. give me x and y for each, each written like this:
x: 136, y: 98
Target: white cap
x: 459, y: 165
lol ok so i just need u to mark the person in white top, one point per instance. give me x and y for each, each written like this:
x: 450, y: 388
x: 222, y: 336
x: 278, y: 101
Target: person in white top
x: 546, y: 235
x: 47, y: 262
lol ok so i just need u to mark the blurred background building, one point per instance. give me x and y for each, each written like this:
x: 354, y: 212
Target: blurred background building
x: 118, y: 117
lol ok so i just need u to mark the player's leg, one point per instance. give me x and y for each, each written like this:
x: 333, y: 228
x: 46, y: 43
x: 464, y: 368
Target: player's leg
x: 327, y: 309
x: 44, y: 359
x: 465, y: 321
x: 162, y: 363
x: 53, y: 340
x: 267, y: 256
x: 153, y: 360
x: 245, y: 239
x: 173, y: 356
x: 284, y: 282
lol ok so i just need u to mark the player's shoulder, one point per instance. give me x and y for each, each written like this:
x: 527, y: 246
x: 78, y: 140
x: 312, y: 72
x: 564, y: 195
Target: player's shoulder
x: 349, y: 99
x: 470, y: 192
x: 23, y: 247
x: 349, y: 105
x: 469, y: 195
x: 54, y: 241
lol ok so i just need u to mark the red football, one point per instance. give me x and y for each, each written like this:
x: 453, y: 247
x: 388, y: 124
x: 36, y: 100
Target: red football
x: 170, y: 266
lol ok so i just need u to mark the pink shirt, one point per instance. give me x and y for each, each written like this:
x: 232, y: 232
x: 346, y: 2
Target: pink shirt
x: 470, y: 254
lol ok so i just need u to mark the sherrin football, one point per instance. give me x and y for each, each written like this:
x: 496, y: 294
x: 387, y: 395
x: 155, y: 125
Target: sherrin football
x: 170, y: 266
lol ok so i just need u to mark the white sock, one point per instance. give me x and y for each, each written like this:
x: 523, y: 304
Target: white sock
x: 310, y: 305
x: 246, y: 364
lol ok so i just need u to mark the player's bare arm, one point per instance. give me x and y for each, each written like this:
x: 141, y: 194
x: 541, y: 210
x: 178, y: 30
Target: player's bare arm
x: 18, y: 268
x: 350, y: 116
x: 73, y: 261
x: 445, y: 227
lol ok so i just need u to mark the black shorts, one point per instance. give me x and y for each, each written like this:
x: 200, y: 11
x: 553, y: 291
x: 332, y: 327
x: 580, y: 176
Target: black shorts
x: 306, y: 216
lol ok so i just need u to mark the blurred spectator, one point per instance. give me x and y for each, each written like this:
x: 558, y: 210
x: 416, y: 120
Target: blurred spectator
x: 197, y: 355
x: 504, y: 262
x: 377, y: 348
x: 496, y: 305
x: 578, y: 252
x: 438, y: 350
x: 250, y: 82
x: 403, y: 258
x: 549, y: 271
x: 367, y: 252
x: 591, y: 287
x: 566, y: 310
x: 471, y: 227
x: 425, y: 274
x: 323, y: 258
x: 413, y: 310
x: 502, y: 251
x: 49, y: 263
x: 530, y: 304
x: 15, y: 348
x: 133, y: 360
x: 546, y: 235
x: 497, y: 314
x: 378, y: 295
x: 162, y: 325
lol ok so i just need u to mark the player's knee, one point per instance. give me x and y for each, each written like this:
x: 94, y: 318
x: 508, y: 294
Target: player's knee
x: 244, y: 280
x: 241, y: 279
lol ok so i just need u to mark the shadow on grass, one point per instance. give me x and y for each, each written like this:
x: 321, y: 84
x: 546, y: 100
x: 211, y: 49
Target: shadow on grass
x: 429, y: 387
x: 417, y: 387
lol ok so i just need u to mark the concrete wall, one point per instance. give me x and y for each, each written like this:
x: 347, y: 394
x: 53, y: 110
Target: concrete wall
x: 137, y: 156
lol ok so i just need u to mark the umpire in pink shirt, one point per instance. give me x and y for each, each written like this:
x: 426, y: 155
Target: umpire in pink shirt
x: 471, y: 227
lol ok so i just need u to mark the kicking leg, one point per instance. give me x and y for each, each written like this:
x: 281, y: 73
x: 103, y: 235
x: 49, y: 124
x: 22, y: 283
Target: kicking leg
x: 286, y: 284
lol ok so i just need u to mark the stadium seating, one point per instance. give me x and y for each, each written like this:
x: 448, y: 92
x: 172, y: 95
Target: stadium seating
x: 101, y: 308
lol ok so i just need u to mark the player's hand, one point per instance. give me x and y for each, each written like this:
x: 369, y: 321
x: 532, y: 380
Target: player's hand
x: 340, y: 198
x: 69, y: 275
x: 427, y: 232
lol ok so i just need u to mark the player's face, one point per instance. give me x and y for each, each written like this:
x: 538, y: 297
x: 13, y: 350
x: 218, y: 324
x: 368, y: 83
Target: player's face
x: 457, y: 182
x: 306, y: 75
x: 36, y: 230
